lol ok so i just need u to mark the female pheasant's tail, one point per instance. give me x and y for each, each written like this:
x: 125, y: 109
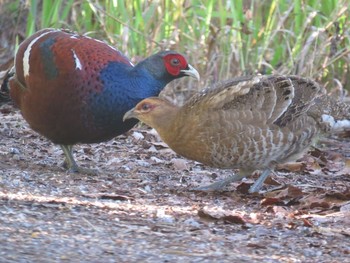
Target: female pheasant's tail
x: 334, y: 114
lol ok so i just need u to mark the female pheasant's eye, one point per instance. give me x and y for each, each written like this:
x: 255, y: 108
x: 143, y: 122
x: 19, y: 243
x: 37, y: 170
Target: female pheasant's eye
x: 145, y: 107
x: 175, y: 62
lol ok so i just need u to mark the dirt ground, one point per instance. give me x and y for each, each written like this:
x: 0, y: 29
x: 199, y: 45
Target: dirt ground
x: 141, y: 206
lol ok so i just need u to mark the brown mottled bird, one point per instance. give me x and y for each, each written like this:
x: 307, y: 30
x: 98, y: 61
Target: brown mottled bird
x: 250, y: 123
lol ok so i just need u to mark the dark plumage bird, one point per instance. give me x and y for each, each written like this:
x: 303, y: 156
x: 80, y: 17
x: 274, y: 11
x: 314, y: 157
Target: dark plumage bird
x: 75, y: 89
x: 250, y: 123
x: 6, y: 68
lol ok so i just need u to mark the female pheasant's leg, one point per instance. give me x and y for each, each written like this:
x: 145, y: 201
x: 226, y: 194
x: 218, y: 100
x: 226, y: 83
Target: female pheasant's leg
x: 259, y: 182
x: 70, y: 163
x: 221, y: 184
x: 236, y: 177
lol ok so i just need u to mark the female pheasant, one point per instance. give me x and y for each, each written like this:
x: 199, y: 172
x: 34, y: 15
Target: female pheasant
x: 74, y: 89
x: 250, y: 123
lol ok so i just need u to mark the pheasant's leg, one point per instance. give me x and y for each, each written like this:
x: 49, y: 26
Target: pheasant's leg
x: 70, y: 163
x: 221, y: 184
x: 259, y: 182
x: 236, y: 177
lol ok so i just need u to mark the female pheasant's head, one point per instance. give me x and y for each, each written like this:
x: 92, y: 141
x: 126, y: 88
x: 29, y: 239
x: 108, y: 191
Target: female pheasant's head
x: 154, y: 111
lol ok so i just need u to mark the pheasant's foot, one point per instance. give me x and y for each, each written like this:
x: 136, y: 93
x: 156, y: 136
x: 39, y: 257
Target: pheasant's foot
x: 82, y: 170
x: 219, y: 185
x: 70, y: 164
x: 78, y: 169
x: 259, y: 182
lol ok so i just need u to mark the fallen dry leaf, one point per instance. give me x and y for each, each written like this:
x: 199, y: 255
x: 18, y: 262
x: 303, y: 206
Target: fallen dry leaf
x: 179, y: 164
x: 312, y: 202
x: 290, y: 192
x: 271, y: 201
x: 292, y: 167
x: 235, y: 219
x: 214, y: 214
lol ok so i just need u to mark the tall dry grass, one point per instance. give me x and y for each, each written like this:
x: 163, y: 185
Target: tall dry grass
x: 222, y: 39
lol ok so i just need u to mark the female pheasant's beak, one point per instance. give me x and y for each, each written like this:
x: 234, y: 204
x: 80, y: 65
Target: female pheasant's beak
x: 130, y: 114
x: 191, y: 71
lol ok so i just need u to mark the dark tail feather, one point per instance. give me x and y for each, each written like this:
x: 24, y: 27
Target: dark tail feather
x: 5, y: 88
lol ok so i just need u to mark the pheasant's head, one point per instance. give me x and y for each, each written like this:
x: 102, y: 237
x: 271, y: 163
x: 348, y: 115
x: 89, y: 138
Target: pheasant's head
x: 153, y: 111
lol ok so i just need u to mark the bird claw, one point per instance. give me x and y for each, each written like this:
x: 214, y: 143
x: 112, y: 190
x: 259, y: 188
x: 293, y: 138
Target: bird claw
x: 70, y: 164
x: 217, y: 186
x: 81, y: 170
x: 260, y: 181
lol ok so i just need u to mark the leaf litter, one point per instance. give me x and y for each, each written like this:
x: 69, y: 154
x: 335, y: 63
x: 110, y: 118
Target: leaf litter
x: 141, y: 206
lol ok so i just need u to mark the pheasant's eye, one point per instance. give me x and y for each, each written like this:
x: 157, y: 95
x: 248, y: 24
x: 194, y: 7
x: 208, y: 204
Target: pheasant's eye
x: 175, y: 62
x: 145, y: 107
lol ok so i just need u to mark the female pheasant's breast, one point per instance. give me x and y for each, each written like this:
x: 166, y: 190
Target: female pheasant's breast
x: 246, y: 146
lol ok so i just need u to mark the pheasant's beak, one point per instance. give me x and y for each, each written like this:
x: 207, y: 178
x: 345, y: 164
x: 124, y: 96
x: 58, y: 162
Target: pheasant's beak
x: 130, y: 114
x: 191, y: 71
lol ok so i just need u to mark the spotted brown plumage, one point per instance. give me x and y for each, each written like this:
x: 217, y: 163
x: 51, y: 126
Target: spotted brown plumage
x: 75, y: 89
x: 250, y: 123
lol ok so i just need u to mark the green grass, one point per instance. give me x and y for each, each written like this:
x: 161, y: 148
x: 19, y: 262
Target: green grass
x: 220, y: 38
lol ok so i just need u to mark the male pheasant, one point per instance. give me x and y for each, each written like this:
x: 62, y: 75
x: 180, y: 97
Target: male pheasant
x: 250, y: 123
x: 75, y: 89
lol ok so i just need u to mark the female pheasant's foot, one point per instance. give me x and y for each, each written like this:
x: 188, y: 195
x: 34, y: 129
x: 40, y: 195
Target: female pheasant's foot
x: 259, y: 182
x: 217, y: 186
